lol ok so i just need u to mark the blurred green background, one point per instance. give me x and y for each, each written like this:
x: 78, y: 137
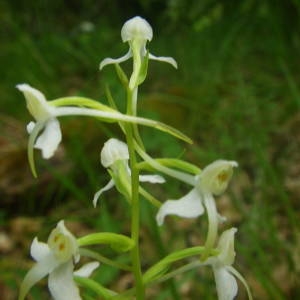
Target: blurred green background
x: 236, y: 93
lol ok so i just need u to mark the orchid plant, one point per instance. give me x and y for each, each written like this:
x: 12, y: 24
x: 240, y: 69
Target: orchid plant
x: 124, y: 160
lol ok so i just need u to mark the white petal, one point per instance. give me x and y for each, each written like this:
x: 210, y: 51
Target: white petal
x: 36, y: 273
x: 36, y: 102
x: 152, y: 178
x: 50, y: 138
x: 136, y: 28
x: 108, y: 60
x: 189, y: 206
x: 112, y: 151
x: 226, y: 247
x: 169, y: 60
x: 61, y: 283
x: 110, y: 184
x: 227, y: 287
x: 39, y: 250
x: 87, y: 269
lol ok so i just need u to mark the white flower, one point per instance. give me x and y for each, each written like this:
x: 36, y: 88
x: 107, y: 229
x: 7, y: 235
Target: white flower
x: 45, y: 118
x: 115, y: 156
x: 226, y: 283
x: 213, y: 180
x: 56, y: 258
x: 136, y: 31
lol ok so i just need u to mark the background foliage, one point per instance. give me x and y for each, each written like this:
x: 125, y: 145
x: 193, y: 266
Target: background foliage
x: 236, y: 93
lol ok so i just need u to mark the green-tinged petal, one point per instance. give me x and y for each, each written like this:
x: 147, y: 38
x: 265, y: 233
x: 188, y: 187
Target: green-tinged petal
x: 136, y: 45
x: 61, y: 283
x: 36, y: 273
x: 213, y: 222
x: 87, y: 269
x: 94, y: 286
x: 118, y: 242
x: 215, y: 177
x: 80, y: 101
x: 39, y: 250
x: 107, y: 187
x: 33, y: 135
x: 242, y: 279
x: 111, y: 116
x: 143, y: 70
x: 189, y: 206
x: 226, y: 284
x: 50, y: 138
x: 109, y: 61
x: 171, y: 162
x: 226, y: 247
x: 169, y: 60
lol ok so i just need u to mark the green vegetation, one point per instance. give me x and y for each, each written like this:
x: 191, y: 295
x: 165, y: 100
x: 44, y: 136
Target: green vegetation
x: 236, y: 93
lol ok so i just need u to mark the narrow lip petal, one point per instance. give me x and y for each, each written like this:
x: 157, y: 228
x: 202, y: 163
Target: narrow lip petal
x: 87, y: 269
x: 226, y: 283
x: 189, y: 206
x: 107, y: 187
x: 39, y: 250
x: 50, y: 138
x: 37, y: 272
x: 152, y: 178
x: 166, y: 59
x: 109, y: 61
x: 61, y: 283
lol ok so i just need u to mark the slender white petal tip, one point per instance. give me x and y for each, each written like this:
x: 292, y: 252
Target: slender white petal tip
x: 112, y: 151
x: 136, y: 28
x: 215, y: 177
x: 87, y: 269
x: 110, y: 185
x: 189, y: 206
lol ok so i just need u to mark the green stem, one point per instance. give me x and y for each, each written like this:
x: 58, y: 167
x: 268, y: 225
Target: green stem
x: 135, y: 203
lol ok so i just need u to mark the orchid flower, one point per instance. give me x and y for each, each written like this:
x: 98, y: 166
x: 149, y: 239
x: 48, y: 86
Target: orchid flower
x: 46, y: 112
x: 115, y: 156
x: 56, y: 258
x: 226, y: 283
x: 213, y: 180
x: 136, y: 31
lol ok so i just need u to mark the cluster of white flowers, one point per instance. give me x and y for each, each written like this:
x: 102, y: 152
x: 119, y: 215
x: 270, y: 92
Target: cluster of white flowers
x: 58, y: 256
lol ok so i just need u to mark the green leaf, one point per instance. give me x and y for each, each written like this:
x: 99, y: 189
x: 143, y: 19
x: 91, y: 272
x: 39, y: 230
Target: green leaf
x: 118, y: 242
